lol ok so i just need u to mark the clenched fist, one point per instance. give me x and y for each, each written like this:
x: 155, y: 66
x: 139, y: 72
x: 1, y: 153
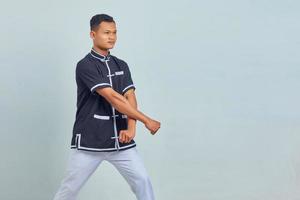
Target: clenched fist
x: 126, y: 136
x: 152, y: 126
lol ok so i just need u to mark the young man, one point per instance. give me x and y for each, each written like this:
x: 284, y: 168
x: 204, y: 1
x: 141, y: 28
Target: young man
x: 106, y: 117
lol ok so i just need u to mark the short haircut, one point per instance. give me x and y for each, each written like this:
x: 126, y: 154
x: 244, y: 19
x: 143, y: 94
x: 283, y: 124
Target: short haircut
x: 97, y: 19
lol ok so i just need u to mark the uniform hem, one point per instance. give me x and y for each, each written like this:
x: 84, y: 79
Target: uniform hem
x: 98, y: 86
x: 128, y: 88
x: 103, y: 150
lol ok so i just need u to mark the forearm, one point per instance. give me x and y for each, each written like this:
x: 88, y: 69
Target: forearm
x: 132, y: 100
x: 122, y: 105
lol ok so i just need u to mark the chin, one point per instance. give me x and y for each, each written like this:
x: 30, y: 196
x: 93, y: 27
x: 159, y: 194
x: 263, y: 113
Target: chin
x: 106, y: 48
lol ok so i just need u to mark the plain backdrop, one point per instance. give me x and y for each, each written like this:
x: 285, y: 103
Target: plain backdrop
x: 221, y: 76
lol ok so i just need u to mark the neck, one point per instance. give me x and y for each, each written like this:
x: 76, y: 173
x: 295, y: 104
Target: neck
x: 103, y: 52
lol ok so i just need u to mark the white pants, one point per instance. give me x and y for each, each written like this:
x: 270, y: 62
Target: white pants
x: 82, y: 164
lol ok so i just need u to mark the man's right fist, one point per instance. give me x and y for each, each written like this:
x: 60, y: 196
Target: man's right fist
x: 152, y: 126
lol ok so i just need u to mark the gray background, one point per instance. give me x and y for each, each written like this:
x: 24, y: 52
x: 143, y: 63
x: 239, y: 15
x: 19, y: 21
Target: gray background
x: 221, y: 76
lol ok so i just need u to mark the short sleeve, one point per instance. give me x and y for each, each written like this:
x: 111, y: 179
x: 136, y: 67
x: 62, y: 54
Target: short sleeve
x: 92, y: 76
x: 127, y: 81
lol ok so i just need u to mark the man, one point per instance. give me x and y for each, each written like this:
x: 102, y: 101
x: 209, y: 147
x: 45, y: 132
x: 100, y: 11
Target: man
x: 106, y: 117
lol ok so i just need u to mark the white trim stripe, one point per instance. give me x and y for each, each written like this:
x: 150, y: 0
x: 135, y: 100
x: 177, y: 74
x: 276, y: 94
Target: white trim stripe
x: 97, y: 149
x: 128, y: 87
x: 100, y: 84
x: 101, y: 117
x: 119, y: 73
x: 98, y: 53
x: 117, y: 145
x: 102, y: 59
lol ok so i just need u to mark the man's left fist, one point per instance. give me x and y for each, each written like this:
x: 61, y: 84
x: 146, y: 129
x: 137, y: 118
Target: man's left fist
x: 126, y: 136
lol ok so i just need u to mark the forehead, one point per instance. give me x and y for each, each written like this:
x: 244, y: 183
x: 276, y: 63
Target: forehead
x: 107, y: 26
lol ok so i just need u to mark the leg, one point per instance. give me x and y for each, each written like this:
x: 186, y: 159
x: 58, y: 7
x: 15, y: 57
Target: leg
x: 131, y: 167
x: 81, y: 166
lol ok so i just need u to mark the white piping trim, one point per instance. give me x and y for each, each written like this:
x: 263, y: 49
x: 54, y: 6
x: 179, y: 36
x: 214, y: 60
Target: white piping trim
x: 124, y: 116
x: 98, y: 53
x: 87, y: 148
x: 119, y: 73
x: 101, y: 117
x: 127, y: 87
x: 102, y: 59
x: 97, y: 149
x: 123, y: 147
x: 99, y: 85
x: 116, y: 74
x: 113, y: 111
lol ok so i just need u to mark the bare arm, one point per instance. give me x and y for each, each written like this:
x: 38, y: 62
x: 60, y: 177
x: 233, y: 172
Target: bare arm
x: 130, y: 96
x: 120, y: 103
x: 127, y: 135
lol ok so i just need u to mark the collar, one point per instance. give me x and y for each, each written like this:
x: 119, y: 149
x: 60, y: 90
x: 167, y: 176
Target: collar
x: 99, y: 56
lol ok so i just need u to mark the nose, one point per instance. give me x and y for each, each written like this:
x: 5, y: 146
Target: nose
x: 112, y: 36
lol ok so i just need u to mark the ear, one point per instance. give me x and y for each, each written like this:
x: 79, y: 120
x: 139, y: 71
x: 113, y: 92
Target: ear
x: 92, y: 34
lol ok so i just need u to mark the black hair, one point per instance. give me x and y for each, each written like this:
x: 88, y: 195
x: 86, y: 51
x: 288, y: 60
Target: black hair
x: 97, y: 19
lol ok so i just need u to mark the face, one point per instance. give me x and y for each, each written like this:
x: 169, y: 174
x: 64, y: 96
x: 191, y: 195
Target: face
x: 105, y: 36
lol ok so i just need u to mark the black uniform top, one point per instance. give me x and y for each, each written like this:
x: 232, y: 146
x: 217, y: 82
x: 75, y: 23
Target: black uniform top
x: 97, y: 124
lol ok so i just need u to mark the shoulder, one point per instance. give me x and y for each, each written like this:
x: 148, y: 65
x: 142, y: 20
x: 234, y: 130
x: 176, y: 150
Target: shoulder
x: 85, y: 63
x: 120, y: 61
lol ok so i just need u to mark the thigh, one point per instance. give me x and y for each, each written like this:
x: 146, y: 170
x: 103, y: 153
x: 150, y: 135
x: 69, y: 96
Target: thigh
x: 83, y: 163
x: 128, y: 163
x: 80, y: 166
